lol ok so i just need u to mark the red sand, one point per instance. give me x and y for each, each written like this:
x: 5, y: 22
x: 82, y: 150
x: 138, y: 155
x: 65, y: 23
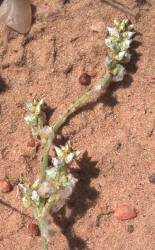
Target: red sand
x: 115, y: 135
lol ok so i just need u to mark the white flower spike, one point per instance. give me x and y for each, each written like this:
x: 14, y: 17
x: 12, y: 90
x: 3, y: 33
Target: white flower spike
x: 119, y: 42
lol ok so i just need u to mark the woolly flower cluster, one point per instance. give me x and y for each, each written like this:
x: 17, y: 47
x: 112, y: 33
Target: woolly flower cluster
x: 64, y: 182
x: 31, y: 195
x: 58, y: 186
x: 119, y: 42
x: 37, y: 120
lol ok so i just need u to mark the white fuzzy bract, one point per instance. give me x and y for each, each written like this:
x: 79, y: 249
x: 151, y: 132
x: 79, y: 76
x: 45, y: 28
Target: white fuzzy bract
x: 119, y: 42
x: 46, y: 189
x: 35, y: 197
x: 51, y: 173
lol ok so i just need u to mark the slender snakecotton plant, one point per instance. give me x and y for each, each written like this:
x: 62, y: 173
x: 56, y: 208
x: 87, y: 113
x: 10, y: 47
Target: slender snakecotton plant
x: 51, y: 193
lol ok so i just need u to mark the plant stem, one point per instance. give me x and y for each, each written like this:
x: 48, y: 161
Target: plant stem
x: 45, y: 159
x: 103, y: 83
x: 44, y: 241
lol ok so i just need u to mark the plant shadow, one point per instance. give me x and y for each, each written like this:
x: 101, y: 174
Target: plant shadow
x: 49, y: 112
x: 82, y: 199
x: 135, y: 57
x: 3, y: 86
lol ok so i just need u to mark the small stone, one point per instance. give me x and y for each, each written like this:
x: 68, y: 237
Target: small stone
x: 85, y: 79
x: 31, y: 143
x: 98, y: 27
x: 130, y: 229
x: 5, y: 186
x: 124, y: 212
x: 33, y: 229
x: 152, y: 178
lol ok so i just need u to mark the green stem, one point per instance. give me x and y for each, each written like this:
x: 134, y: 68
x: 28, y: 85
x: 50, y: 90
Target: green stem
x: 45, y: 159
x: 44, y: 241
x: 103, y: 83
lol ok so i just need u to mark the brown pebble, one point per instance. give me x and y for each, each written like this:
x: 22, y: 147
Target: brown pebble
x: 152, y: 178
x: 5, y: 186
x: 85, y: 79
x: 31, y: 143
x: 124, y: 212
x: 33, y: 229
x: 130, y: 229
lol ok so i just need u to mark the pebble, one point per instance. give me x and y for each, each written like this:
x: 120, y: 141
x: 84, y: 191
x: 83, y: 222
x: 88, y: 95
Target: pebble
x: 5, y: 186
x: 124, y: 212
x: 98, y: 27
x: 31, y: 143
x: 152, y: 178
x: 33, y: 229
x: 85, y: 79
x: 130, y: 229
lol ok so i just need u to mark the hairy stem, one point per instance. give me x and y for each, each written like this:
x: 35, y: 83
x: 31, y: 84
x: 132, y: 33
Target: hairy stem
x: 45, y: 159
x: 103, y: 83
x: 44, y: 241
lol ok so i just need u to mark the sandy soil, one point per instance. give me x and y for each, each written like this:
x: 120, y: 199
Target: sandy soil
x: 115, y: 135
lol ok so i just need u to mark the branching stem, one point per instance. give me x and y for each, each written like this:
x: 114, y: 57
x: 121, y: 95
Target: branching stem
x: 104, y: 82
